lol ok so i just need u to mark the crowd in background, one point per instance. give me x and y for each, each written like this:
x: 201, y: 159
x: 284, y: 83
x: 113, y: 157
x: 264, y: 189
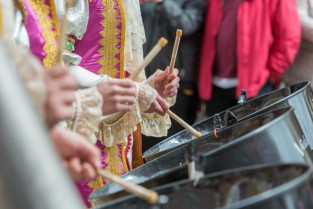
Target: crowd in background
x: 227, y: 46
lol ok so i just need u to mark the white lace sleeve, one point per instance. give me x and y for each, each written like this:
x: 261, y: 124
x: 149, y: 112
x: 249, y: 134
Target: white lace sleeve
x: 88, y: 111
x: 152, y: 124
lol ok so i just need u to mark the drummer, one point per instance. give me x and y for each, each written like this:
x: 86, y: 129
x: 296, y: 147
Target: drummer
x: 116, y: 50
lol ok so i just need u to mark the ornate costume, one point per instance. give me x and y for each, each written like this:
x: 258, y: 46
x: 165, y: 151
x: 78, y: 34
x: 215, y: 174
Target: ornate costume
x: 108, y: 40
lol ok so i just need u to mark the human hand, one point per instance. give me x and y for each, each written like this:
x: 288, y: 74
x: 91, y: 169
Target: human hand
x: 158, y: 106
x: 118, y: 95
x: 61, y: 87
x: 80, y: 157
x: 160, y: 83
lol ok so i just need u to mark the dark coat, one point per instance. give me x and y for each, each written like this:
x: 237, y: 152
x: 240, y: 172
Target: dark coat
x: 162, y: 20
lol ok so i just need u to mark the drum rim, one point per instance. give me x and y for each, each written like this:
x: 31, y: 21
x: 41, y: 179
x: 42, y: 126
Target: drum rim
x: 261, y: 197
x: 304, y: 87
x: 289, y: 111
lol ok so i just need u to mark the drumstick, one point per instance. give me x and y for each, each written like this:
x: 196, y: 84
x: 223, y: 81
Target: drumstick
x: 147, y: 194
x: 183, y: 123
x: 154, y: 51
x: 175, y: 49
x: 63, y: 35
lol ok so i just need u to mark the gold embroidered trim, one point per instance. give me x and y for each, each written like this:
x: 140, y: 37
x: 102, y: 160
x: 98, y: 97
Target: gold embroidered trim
x: 108, y: 61
x: 1, y: 22
x: 50, y: 47
x: 124, y: 144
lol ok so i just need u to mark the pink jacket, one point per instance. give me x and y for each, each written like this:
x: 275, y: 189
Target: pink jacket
x: 268, y: 37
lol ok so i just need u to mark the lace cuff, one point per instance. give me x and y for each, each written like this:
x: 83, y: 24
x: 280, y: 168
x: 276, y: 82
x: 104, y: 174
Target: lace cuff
x: 115, y: 128
x: 155, y: 125
x: 88, y: 110
x: 150, y: 80
x: 146, y: 95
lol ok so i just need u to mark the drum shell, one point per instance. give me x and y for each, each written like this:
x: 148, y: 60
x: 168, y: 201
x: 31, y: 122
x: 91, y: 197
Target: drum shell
x: 296, y: 192
x: 249, y: 148
x: 298, y: 96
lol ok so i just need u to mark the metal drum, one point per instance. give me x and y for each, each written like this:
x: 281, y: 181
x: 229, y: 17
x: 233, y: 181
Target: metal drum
x: 274, y: 186
x: 274, y: 136
x: 298, y: 96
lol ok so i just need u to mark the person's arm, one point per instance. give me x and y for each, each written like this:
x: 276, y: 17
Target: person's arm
x: 287, y: 36
x: 306, y: 19
x: 188, y: 18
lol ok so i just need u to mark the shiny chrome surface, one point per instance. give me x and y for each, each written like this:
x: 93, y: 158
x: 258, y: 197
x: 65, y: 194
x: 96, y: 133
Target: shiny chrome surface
x: 286, y: 186
x: 274, y: 136
x: 298, y: 96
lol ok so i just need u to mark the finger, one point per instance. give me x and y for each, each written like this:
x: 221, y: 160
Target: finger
x: 57, y: 71
x: 89, y: 153
x: 158, y: 109
x: 128, y: 100
x: 127, y: 83
x: 118, y: 90
x: 123, y: 107
x: 123, y: 100
x: 67, y: 83
x: 75, y: 168
x: 163, y: 75
x: 174, y: 82
x: 174, y: 73
x: 67, y: 97
x: 63, y: 112
x: 163, y: 103
x: 88, y: 171
x: 170, y: 93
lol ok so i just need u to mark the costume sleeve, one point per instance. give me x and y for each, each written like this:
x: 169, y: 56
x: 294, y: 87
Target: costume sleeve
x: 188, y: 17
x: 87, y: 113
x: 306, y: 20
x: 32, y: 74
x: 287, y: 37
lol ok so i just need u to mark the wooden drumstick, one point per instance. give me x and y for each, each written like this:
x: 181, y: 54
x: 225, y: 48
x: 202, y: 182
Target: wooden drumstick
x: 179, y: 33
x: 183, y: 123
x: 63, y: 35
x: 147, y: 194
x: 154, y: 51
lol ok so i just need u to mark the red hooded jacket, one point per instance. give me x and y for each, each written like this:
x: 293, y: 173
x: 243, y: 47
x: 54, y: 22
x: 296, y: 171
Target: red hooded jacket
x: 268, y: 37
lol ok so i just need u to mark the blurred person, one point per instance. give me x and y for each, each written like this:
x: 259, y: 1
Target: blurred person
x: 79, y: 157
x: 247, y: 45
x: 302, y: 67
x: 161, y: 18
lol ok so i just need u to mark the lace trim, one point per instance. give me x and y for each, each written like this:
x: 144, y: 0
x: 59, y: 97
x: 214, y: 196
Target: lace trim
x: 146, y: 95
x: 155, y: 125
x: 134, y: 37
x: 113, y: 133
x: 88, y: 112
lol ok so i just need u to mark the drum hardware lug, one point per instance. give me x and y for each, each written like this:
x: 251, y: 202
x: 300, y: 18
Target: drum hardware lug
x: 201, y: 162
x: 242, y: 97
x: 217, y: 122
x: 230, y: 119
x: 190, y: 158
x: 303, y: 143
